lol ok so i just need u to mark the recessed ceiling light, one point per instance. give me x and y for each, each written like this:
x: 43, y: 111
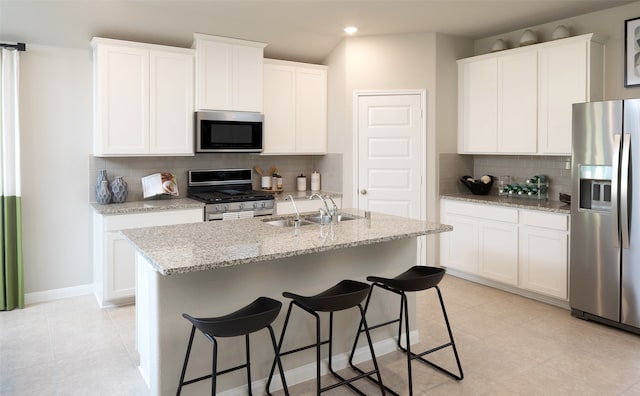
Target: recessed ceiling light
x: 350, y: 29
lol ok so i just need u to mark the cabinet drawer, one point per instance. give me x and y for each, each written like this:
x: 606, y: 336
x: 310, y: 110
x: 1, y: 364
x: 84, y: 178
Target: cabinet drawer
x: 481, y: 211
x: 140, y: 220
x: 544, y: 220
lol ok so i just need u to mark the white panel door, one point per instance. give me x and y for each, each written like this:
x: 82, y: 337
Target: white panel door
x: 390, y: 146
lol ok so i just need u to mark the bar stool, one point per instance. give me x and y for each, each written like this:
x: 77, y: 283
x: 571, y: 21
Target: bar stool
x: 249, y: 319
x: 415, y: 279
x: 344, y: 295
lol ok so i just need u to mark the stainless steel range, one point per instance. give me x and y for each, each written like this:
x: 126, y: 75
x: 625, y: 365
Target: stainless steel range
x: 228, y: 194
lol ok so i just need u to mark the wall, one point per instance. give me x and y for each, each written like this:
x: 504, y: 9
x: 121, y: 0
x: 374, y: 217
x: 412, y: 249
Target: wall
x: 56, y: 125
x: 373, y: 63
x: 408, y: 61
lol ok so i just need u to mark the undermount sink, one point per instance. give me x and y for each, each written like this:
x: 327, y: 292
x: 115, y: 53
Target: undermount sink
x: 291, y: 221
x: 286, y: 222
x: 325, y: 219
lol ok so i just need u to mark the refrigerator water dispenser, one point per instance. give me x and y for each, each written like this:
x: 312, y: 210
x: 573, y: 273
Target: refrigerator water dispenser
x: 595, y: 187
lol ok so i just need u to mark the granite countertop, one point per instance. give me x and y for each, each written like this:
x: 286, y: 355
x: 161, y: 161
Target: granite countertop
x: 146, y: 206
x: 215, y: 244
x: 519, y: 203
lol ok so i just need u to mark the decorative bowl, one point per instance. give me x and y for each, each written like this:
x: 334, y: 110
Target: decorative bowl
x: 498, y: 45
x: 528, y: 37
x: 477, y: 187
x: 560, y: 32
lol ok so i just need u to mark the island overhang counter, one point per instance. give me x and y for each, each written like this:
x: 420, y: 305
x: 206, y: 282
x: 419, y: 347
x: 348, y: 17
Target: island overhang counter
x: 212, y: 268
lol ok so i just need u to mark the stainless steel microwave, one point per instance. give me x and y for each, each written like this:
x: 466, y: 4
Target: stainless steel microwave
x: 228, y: 132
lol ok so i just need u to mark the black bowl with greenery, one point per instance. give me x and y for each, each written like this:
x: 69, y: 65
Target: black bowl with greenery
x: 477, y: 187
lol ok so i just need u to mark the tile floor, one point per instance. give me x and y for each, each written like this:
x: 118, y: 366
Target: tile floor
x: 509, y: 345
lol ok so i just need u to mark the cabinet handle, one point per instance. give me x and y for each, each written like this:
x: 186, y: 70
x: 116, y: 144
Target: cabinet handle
x: 363, y: 191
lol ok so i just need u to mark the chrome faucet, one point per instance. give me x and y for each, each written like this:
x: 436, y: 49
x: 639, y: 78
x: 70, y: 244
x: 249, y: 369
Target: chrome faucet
x: 290, y: 197
x: 333, y: 212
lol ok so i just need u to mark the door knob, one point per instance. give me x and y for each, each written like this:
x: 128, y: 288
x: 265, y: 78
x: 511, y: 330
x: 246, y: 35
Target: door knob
x: 363, y: 191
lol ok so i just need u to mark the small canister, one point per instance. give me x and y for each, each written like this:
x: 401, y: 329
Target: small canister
x: 315, y: 181
x: 266, y: 183
x: 302, y: 183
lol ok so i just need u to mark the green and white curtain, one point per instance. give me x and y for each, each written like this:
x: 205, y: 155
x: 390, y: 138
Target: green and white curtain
x: 11, y: 277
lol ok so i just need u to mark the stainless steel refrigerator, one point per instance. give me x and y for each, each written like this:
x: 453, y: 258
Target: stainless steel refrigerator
x: 605, y: 213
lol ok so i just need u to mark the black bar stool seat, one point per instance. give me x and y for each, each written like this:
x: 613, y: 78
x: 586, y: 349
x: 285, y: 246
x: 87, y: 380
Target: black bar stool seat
x: 344, y: 295
x: 416, y: 278
x: 249, y: 319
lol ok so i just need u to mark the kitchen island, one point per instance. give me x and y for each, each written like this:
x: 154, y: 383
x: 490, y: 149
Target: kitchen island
x: 213, y: 268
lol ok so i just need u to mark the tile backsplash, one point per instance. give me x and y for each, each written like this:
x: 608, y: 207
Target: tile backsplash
x: 290, y: 166
x: 519, y: 167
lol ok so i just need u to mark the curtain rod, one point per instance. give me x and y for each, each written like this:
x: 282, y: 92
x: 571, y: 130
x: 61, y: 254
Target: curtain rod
x: 18, y: 46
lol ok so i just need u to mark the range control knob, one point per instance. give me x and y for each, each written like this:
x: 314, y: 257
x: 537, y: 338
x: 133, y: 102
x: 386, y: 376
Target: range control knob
x: 241, y: 206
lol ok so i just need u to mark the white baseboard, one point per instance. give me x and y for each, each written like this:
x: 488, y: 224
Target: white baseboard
x: 308, y: 372
x: 56, y: 294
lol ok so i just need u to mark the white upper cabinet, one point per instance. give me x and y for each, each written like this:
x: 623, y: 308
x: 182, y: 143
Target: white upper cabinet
x: 519, y: 101
x: 295, y: 108
x: 497, y: 102
x: 228, y: 73
x: 478, y: 106
x: 569, y: 73
x: 143, y: 99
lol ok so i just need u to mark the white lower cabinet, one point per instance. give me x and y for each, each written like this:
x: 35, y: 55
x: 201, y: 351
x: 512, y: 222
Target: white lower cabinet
x: 114, y: 258
x: 527, y: 249
x: 499, y: 251
x: 544, y: 253
x: 460, y: 249
x: 483, y: 241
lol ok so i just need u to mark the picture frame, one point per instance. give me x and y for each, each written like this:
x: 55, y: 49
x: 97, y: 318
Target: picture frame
x: 632, y: 52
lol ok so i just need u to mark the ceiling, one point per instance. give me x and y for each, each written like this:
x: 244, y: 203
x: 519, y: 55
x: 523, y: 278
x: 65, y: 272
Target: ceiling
x: 300, y: 30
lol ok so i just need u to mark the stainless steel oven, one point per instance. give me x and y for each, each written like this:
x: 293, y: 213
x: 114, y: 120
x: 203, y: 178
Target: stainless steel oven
x: 228, y: 132
x: 228, y: 194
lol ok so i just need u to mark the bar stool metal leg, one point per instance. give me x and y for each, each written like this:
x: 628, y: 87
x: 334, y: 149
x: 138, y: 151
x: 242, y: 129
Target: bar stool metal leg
x: 451, y: 343
x: 403, y: 320
x: 279, y: 361
x: 249, y: 319
x: 246, y: 337
x: 186, y: 360
x: 214, y: 368
x: 343, y: 298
